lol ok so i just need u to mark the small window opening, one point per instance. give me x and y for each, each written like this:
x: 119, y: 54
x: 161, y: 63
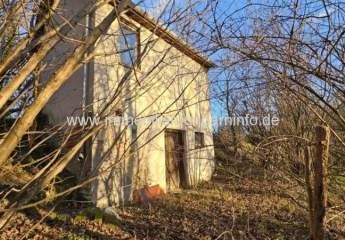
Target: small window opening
x: 199, y: 140
x: 129, y: 47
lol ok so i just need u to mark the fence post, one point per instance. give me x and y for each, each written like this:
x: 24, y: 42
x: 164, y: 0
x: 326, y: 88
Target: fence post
x: 322, y: 136
x: 309, y: 187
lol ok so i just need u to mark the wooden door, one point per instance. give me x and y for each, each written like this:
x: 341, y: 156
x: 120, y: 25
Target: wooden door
x: 174, y: 159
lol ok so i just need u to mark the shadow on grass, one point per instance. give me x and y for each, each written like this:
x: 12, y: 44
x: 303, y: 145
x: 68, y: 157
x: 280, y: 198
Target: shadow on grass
x: 193, y: 216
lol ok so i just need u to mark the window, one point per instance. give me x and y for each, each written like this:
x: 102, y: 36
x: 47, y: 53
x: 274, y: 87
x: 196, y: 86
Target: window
x: 119, y: 112
x: 199, y: 140
x: 129, y: 46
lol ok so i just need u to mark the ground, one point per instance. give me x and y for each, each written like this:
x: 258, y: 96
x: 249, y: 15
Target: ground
x: 225, y: 208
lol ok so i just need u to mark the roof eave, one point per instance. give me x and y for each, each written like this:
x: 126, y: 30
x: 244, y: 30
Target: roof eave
x: 148, y: 22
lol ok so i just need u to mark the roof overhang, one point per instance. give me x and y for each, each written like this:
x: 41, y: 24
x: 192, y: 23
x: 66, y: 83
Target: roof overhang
x: 145, y: 20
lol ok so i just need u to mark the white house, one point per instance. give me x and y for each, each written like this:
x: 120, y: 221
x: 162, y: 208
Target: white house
x: 167, y: 81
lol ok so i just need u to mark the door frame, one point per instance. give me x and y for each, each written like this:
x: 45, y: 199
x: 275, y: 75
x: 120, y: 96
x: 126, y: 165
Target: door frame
x: 183, y: 179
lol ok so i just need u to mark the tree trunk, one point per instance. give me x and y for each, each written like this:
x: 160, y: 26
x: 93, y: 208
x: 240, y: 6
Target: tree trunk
x: 32, y: 189
x: 9, y: 59
x: 63, y: 73
x: 52, y: 38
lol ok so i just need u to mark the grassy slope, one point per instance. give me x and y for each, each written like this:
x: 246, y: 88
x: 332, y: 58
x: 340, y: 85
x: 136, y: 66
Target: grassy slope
x: 247, y: 211
x: 226, y: 208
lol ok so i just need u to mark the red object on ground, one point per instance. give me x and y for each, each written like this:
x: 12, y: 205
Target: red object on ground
x: 147, y: 194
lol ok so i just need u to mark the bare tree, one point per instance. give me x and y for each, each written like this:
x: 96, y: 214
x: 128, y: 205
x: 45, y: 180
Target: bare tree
x: 294, y: 53
x: 23, y: 96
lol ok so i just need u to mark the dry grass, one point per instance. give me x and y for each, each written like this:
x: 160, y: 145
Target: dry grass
x: 219, y: 210
x: 232, y: 206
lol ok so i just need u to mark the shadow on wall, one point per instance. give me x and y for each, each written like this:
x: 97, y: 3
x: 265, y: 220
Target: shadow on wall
x: 126, y: 172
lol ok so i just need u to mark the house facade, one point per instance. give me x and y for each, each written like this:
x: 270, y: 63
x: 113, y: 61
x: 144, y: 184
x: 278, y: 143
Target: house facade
x: 151, y: 90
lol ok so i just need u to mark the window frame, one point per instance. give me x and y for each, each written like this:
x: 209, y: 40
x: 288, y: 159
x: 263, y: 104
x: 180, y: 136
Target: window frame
x: 197, y: 137
x: 126, y: 26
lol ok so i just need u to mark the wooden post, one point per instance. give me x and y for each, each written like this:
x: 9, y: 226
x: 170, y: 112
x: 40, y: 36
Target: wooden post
x: 309, y: 188
x: 322, y: 135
